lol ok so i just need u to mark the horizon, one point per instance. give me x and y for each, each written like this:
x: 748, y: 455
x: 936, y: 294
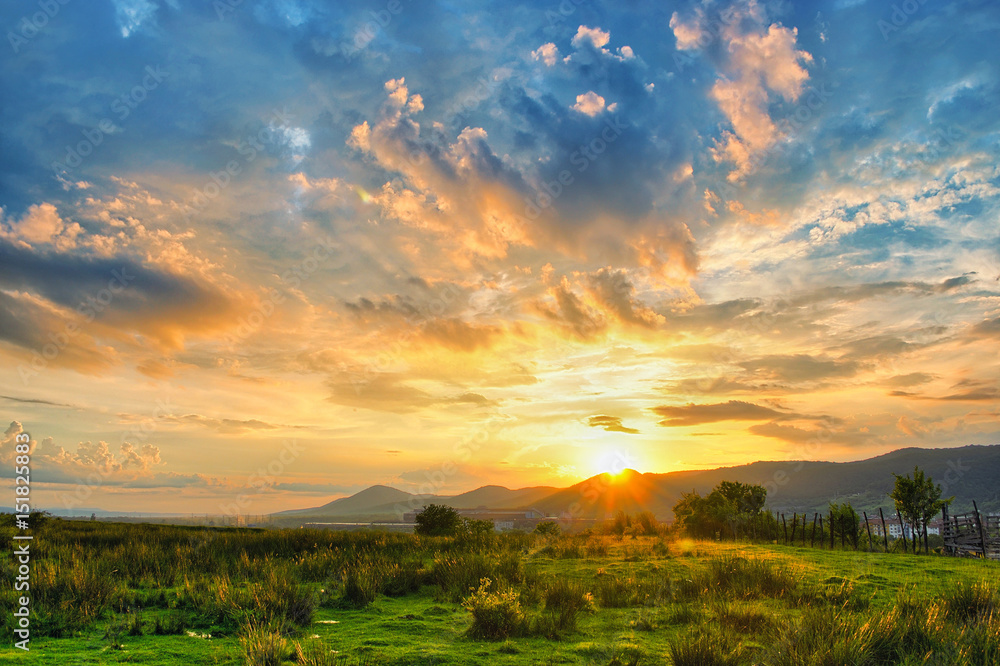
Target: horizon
x: 82, y: 511
x: 280, y: 251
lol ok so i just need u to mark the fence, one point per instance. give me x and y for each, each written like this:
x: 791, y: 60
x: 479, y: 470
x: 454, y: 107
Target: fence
x: 972, y: 534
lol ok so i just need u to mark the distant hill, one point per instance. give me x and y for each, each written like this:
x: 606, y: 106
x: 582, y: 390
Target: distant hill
x: 973, y: 472
x: 383, y: 502
x: 969, y: 473
x: 359, y: 503
x: 498, y: 497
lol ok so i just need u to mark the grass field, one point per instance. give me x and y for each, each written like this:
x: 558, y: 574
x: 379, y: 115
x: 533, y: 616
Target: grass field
x: 113, y: 593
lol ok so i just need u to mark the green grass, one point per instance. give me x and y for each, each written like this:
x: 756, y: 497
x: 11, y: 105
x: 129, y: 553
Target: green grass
x: 312, y: 597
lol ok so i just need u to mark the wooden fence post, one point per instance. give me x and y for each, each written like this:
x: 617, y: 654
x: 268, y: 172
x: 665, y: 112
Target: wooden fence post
x: 843, y: 530
x: 795, y: 521
x: 821, y: 539
x: 812, y: 537
x: 979, y: 524
x: 885, y: 532
x: 784, y: 526
x: 870, y: 547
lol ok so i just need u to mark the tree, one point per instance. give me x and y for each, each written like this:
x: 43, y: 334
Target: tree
x: 917, y: 500
x: 747, y: 498
x: 730, y: 505
x: 437, y: 520
x: 846, y: 521
x: 547, y: 528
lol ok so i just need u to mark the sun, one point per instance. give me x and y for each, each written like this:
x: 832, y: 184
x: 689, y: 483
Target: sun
x: 614, y: 462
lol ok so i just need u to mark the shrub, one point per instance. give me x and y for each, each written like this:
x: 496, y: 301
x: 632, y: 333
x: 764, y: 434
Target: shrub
x: 745, y: 578
x: 564, y: 601
x: 703, y: 648
x: 263, y: 645
x: 969, y: 603
x: 496, y: 615
x: 547, y: 528
x: 437, y: 520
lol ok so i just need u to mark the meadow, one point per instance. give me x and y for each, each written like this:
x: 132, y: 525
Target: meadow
x: 106, y: 593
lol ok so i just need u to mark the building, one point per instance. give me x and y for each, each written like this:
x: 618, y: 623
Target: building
x: 895, y: 530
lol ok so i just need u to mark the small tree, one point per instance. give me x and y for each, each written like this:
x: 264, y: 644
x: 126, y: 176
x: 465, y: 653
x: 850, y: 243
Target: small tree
x: 547, y: 528
x: 846, y: 521
x: 917, y: 500
x: 437, y: 520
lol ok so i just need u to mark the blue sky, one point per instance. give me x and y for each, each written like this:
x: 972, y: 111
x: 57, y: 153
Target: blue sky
x: 344, y: 240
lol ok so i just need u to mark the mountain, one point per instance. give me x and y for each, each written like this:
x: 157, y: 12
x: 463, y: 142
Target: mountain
x: 383, y: 502
x: 359, y: 503
x: 498, y: 497
x: 969, y: 473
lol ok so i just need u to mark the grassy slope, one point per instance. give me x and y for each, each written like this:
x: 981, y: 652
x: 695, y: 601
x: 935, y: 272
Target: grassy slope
x: 418, y: 629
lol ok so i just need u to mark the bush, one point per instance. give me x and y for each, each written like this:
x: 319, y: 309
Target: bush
x: 437, y: 520
x: 263, y: 646
x: 547, y: 528
x: 744, y: 578
x: 704, y: 648
x: 495, y: 615
x: 969, y: 603
x: 564, y: 601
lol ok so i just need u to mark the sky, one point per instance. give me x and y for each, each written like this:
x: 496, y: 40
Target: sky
x: 264, y: 253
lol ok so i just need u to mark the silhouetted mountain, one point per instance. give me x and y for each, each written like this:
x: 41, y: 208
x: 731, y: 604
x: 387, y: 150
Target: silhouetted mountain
x: 359, y: 503
x: 969, y: 473
x: 498, y: 497
x: 383, y: 502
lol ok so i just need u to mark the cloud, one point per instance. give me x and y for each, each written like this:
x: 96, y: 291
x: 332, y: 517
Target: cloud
x: 589, y: 103
x: 610, y: 424
x: 799, y: 367
x: 120, y: 292
x: 692, y: 414
x: 594, y: 38
x: 228, y: 426
x: 613, y: 290
x: 458, y: 335
x: 55, y: 464
x: 565, y: 307
x: 758, y: 60
x: 547, y: 53
x: 989, y: 328
x: 41, y: 224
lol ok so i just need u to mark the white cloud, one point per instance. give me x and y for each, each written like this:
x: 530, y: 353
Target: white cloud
x: 595, y: 37
x: 42, y: 224
x: 547, y: 53
x: 131, y: 14
x: 589, y: 103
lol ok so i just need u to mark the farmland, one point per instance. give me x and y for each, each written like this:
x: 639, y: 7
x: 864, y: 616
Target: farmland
x: 116, y: 593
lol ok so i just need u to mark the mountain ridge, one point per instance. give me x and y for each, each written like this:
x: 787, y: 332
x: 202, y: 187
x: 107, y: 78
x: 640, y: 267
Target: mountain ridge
x: 969, y: 473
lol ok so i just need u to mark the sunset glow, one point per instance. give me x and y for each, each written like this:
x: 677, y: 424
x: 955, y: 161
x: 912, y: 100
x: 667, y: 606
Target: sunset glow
x: 273, y: 253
